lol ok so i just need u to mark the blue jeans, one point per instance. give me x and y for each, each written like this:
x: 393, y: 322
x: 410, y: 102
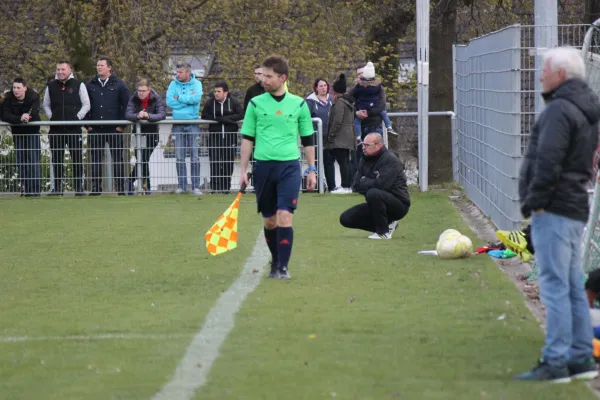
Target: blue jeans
x: 384, y: 117
x: 557, y: 243
x: 27, y: 148
x: 186, y: 138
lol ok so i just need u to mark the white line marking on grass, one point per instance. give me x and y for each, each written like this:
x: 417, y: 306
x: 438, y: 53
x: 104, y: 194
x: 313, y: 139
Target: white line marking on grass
x: 193, y: 369
x: 100, y: 336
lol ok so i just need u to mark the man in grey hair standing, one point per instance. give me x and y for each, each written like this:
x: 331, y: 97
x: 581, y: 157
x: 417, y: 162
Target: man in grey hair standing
x: 553, y: 192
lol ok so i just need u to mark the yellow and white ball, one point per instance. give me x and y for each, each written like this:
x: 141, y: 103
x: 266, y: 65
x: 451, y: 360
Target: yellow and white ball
x: 448, y: 233
x: 452, y: 245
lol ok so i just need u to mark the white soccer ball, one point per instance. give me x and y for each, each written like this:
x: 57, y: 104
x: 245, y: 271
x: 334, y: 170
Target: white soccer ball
x: 452, y: 246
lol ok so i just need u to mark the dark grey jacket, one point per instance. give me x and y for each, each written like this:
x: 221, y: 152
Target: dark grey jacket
x: 156, y: 110
x: 340, y: 132
x: 382, y: 171
x: 558, y: 162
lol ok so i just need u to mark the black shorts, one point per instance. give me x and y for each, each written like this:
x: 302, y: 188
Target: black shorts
x: 277, y: 185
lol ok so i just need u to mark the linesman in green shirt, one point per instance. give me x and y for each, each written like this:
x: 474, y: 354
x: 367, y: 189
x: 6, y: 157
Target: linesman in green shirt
x: 272, y: 124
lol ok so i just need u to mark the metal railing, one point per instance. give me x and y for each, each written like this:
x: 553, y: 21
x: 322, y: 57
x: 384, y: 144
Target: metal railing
x: 149, y: 156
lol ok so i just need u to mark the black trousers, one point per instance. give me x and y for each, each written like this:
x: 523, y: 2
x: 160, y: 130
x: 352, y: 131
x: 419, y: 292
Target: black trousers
x: 58, y: 144
x: 329, y: 169
x: 375, y: 215
x: 97, y: 140
x: 151, y: 143
x: 221, y: 153
x: 27, y: 149
x: 342, y: 156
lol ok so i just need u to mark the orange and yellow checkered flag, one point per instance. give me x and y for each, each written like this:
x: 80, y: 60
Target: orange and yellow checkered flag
x: 223, y: 235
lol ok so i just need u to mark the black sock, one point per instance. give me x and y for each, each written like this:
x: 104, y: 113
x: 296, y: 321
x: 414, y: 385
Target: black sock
x: 271, y: 238
x: 285, y: 240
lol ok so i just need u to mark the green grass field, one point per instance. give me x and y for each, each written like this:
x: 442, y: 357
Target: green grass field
x: 360, y: 319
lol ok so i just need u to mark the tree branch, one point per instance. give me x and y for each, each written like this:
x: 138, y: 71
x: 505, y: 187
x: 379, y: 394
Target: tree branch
x: 161, y: 32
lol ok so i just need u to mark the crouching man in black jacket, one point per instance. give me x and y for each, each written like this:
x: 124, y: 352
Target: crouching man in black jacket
x: 380, y: 178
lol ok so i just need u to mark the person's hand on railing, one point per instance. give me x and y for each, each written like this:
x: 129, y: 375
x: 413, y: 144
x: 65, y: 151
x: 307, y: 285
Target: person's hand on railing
x: 25, y: 118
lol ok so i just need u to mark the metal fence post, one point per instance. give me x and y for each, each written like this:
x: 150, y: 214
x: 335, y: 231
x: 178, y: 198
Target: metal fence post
x: 453, y: 132
x: 320, y: 175
x: 138, y: 156
x: 423, y: 92
x: 546, y: 36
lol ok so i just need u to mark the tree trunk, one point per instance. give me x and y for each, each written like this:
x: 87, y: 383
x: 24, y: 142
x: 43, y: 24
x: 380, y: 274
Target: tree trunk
x: 442, y: 36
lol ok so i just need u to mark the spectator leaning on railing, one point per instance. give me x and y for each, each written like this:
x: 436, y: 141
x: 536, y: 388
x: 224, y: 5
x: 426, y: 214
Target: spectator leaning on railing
x: 21, y: 106
x: 145, y: 105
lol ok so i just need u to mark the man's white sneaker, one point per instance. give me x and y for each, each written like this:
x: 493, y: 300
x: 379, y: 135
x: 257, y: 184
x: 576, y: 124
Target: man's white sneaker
x: 179, y: 191
x: 341, y: 190
x: 385, y: 236
x: 198, y: 192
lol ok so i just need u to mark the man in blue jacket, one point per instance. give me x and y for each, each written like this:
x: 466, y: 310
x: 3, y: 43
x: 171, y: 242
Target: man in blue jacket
x: 109, y: 96
x: 183, y: 96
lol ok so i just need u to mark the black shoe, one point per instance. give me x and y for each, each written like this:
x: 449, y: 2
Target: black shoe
x: 546, y: 372
x: 274, y: 273
x: 121, y: 194
x: 32, y: 195
x: 95, y: 194
x: 80, y: 193
x: 54, y: 193
x: 583, y: 370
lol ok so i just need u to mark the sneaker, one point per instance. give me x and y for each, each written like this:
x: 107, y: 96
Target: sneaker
x: 274, y: 272
x: 393, y: 225
x: 341, y: 190
x: 284, y: 273
x: 546, y: 372
x: 391, y: 131
x: 515, y: 241
x: 583, y: 370
x: 197, y: 192
x: 524, y: 255
x: 385, y: 236
x: 179, y: 191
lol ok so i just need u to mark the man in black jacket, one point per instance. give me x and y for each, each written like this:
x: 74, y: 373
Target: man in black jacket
x: 553, y: 191
x: 255, y: 90
x: 109, y: 96
x: 66, y: 99
x: 380, y: 178
x: 223, y: 137
x: 21, y: 106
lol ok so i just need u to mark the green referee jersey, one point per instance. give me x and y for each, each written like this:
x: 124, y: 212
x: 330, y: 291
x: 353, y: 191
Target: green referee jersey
x: 275, y: 126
